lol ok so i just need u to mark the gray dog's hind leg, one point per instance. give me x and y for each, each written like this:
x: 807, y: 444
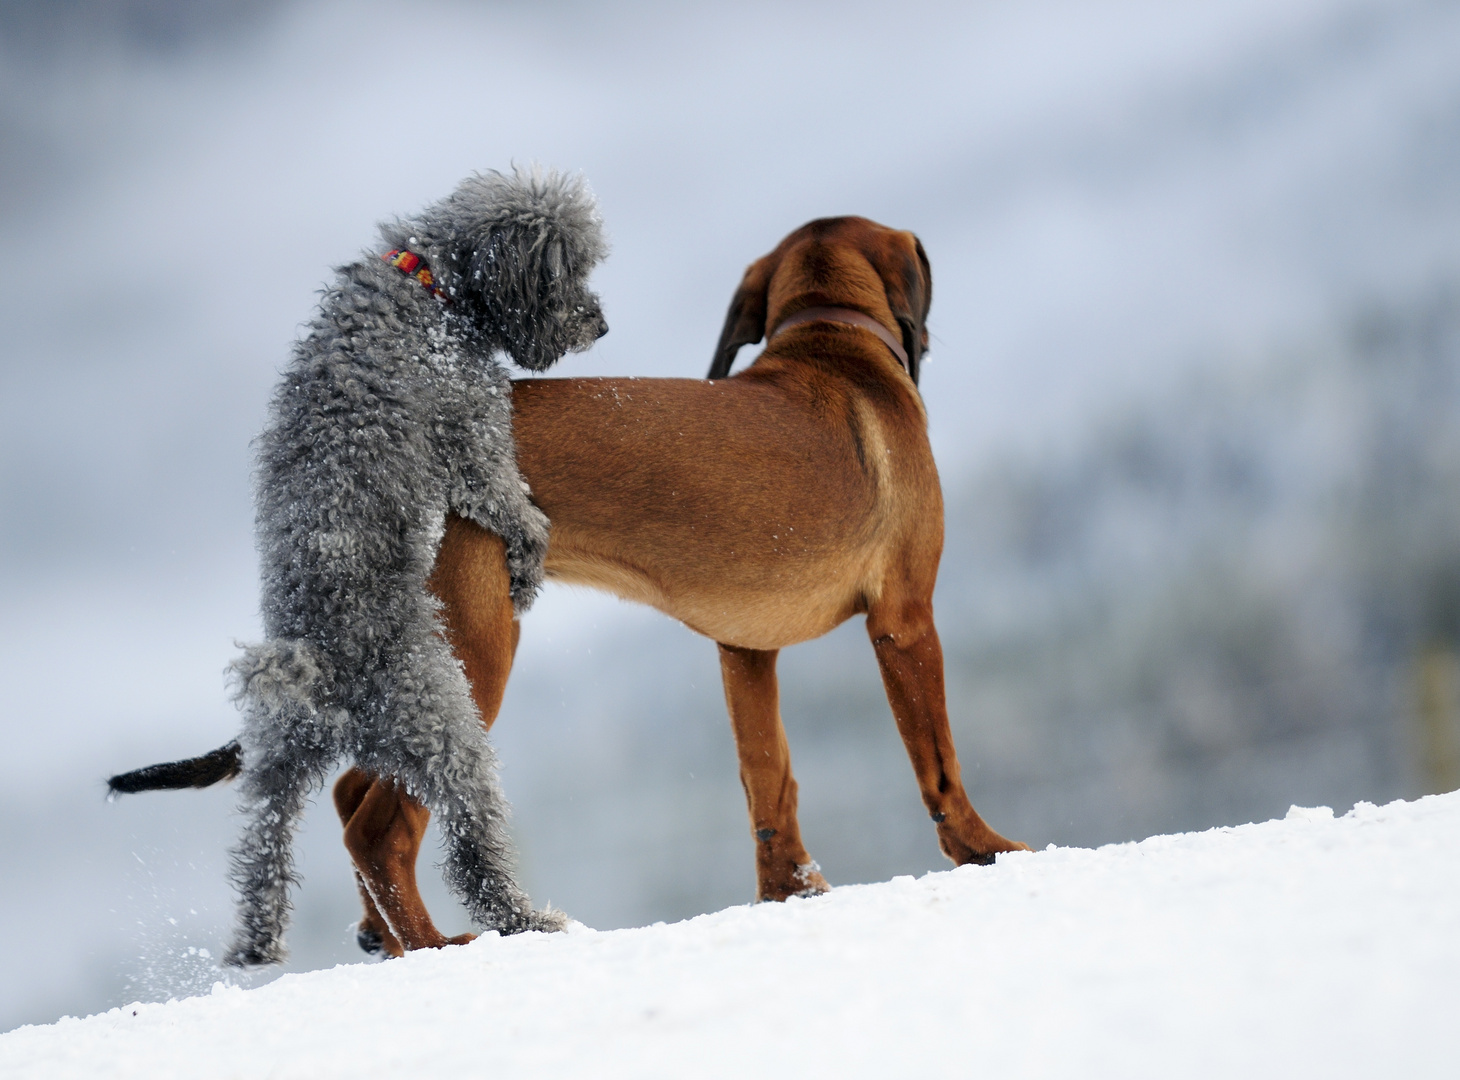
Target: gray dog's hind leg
x: 437, y: 747
x: 478, y: 865
x: 290, y: 741
x: 273, y: 797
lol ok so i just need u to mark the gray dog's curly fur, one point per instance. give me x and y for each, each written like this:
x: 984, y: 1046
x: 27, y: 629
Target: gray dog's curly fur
x: 393, y: 412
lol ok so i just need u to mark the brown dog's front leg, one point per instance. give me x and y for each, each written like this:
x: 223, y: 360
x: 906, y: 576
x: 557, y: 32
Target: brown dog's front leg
x: 911, y: 659
x: 782, y: 866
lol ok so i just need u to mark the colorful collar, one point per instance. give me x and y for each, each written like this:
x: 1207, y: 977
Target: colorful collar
x: 411, y: 264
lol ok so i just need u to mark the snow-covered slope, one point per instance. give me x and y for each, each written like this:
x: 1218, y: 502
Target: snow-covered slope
x: 1302, y: 947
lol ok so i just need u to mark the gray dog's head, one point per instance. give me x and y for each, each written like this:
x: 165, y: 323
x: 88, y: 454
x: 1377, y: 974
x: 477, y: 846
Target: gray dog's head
x: 514, y: 253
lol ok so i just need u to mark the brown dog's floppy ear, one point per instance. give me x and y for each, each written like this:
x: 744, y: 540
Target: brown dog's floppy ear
x: 745, y: 321
x: 910, y: 294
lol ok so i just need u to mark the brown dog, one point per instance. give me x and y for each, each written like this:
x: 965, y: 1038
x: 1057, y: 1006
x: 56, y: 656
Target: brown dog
x: 760, y: 510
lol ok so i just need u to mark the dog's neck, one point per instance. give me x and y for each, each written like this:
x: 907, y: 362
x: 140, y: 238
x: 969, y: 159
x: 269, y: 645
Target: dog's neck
x: 850, y: 316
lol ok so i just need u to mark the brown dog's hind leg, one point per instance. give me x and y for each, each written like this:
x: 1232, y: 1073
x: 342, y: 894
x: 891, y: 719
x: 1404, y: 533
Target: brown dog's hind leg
x: 372, y: 932
x: 911, y: 659
x: 384, y: 837
x: 782, y: 866
x: 384, y: 826
x: 471, y: 581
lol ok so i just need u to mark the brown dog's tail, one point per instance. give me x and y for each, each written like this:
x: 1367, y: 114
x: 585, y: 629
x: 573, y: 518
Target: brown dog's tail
x: 199, y: 772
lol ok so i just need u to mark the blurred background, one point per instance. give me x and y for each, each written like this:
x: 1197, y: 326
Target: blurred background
x: 1194, y: 390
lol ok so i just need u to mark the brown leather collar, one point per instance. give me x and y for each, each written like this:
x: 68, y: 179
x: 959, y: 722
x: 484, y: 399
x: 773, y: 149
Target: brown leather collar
x: 844, y: 315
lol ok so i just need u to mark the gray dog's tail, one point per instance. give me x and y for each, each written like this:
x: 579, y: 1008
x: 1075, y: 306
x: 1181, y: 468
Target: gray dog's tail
x: 222, y: 764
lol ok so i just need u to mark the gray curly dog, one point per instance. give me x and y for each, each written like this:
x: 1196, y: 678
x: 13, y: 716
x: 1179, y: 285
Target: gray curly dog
x: 392, y: 412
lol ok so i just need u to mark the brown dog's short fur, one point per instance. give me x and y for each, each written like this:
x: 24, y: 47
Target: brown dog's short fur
x: 761, y: 510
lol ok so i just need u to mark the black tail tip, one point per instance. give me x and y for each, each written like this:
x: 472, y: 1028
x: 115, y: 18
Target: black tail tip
x: 222, y: 764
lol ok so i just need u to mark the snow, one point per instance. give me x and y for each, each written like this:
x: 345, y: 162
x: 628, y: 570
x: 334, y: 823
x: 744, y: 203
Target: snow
x: 1311, y: 945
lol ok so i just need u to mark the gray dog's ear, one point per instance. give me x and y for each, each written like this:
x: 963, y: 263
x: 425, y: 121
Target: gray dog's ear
x: 745, y: 321
x: 553, y: 257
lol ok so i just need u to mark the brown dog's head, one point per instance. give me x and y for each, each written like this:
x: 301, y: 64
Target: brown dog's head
x: 838, y: 262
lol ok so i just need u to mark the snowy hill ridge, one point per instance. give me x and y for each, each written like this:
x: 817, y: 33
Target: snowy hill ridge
x: 1312, y: 945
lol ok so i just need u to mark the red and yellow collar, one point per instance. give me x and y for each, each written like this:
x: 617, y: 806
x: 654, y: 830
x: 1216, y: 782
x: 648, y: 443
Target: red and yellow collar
x: 412, y: 265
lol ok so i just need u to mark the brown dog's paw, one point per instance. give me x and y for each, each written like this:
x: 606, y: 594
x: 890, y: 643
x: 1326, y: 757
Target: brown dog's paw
x: 459, y: 939
x: 376, y: 940
x: 804, y: 880
x: 370, y: 940
x: 978, y: 845
x: 808, y: 876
